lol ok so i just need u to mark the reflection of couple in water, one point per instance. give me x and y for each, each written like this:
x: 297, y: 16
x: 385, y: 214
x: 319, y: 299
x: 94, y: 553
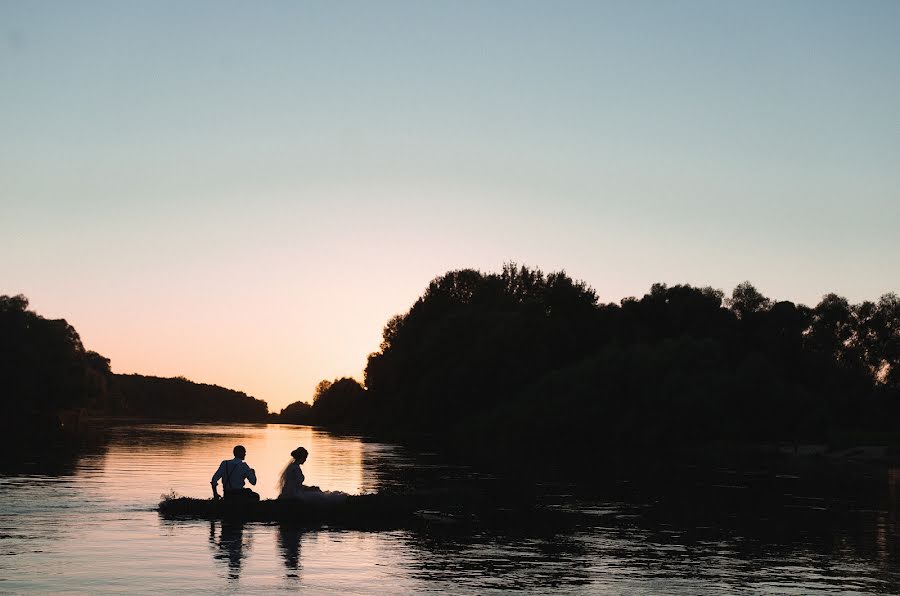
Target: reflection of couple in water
x: 230, y: 543
x: 235, y: 471
x: 227, y: 537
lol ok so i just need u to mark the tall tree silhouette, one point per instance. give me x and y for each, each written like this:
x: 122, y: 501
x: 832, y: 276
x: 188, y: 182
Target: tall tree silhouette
x: 501, y: 358
x: 474, y: 339
x: 44, y: 367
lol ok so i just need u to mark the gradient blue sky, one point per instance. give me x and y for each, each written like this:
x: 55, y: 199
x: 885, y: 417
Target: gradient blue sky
x: 244, y: 192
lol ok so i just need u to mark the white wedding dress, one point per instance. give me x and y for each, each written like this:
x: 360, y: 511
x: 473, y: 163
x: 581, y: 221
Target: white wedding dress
x: 292, y: 488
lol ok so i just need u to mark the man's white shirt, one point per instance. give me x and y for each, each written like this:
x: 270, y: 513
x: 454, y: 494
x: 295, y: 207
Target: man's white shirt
x: 232, y: 472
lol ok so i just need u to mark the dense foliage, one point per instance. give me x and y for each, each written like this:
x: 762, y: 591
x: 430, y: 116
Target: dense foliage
x: 335, y: 403
x: 298, y: 412
x: 47, y: 377
x: 44, y: 368
x: 180, y: 399
x: 520, y: 357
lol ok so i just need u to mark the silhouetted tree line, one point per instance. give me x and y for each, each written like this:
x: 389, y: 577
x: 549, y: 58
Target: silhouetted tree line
x: 519, y: 357
x: 181, y: 399
x: 48, y: 379
x: 336, y: 403
x: 46, y: 374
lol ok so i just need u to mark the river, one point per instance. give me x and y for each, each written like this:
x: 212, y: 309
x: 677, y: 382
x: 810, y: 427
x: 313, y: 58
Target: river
x: 87, y: 523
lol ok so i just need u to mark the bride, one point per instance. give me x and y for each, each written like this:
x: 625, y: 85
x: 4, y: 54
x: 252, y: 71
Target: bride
x: 291, y: 483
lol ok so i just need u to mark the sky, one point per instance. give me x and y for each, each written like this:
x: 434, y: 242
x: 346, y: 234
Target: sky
x: 243, y: 193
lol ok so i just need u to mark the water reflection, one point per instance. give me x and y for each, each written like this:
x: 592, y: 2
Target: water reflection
x: 55, y: 458
x: 888, y: 529
x: 762, y: 527
x: 488, y: 560
x: 289, y: 537
x: 182, y: 459
x: 228, y: 543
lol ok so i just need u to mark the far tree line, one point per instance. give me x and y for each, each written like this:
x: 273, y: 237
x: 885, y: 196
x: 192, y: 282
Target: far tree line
x: 48, y: 380
x: 519, y: 357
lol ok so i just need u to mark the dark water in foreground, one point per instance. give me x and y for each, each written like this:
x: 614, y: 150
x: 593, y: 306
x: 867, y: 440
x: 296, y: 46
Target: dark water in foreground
x: 86, y: 524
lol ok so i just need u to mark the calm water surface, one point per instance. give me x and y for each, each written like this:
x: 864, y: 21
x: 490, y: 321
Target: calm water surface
x: 87, y: 524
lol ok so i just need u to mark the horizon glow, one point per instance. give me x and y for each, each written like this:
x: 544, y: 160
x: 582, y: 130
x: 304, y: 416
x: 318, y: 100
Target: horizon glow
x: 245, y: 194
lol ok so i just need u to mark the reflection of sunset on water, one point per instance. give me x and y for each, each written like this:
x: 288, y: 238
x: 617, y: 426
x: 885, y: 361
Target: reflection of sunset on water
x: 94, y: 528
x: 334, y: 463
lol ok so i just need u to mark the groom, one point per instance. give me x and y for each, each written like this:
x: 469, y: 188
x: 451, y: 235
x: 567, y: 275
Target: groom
x: 232, y: 473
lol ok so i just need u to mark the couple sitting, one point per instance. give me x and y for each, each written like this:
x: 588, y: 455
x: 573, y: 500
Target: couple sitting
x: 235, y: 471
